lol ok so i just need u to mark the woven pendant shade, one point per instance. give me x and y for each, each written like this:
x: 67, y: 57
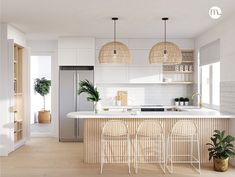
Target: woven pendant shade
x: 122, y: 56
x: 174, y: 55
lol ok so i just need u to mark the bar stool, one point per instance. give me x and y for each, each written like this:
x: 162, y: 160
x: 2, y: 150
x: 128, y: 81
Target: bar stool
x: 115, y: 135
x: 149, y: 144
x: 184, y: 133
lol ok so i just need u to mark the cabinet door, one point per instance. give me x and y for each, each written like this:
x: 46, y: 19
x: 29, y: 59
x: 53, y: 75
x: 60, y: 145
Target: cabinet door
x: 108, y: 74
x: 86, y: 57
x: 67, y: 57
x: 145, y: 74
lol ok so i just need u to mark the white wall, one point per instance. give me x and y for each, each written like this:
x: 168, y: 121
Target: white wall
x: 225, y: 32
x: 49, y: 47
x: 139, y: 94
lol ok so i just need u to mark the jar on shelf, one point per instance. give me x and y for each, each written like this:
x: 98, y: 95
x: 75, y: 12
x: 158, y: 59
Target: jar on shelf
x: 190, y: 68
x: 176, y: 67
x: 181, y: 67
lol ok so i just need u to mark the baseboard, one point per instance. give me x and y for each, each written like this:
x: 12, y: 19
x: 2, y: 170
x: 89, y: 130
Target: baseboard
x: 3, y: 152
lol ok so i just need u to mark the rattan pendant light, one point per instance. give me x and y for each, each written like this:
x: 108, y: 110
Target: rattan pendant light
x: 165, y: 52
x: 114, y: 52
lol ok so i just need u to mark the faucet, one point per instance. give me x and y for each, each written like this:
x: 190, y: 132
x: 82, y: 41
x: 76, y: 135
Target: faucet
x: 200, y: 98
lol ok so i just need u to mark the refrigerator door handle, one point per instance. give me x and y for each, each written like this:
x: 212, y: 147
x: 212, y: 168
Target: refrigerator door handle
x: 75, y: 91
x: 75, y: 100
x: 77, y: 87
x: 77, y: 105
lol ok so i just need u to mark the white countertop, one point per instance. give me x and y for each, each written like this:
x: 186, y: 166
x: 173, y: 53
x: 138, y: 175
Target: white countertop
x: 184, y: 113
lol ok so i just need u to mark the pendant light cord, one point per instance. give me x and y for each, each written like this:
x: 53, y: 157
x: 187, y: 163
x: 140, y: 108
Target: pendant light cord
x: 165, y: 34
x: 114, y: 36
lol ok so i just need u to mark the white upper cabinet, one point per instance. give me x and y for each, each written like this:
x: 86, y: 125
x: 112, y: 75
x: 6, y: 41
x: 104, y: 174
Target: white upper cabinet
x: 111, y: 74
x: 86, y: 57
x: 74, y: 51
x: 145, y: 74
x: 67, y: 57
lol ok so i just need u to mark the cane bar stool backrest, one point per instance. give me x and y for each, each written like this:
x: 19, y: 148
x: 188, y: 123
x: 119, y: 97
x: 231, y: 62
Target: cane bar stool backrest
x: 184, y: 128
x: 149, y: 128
x: 115, y: 128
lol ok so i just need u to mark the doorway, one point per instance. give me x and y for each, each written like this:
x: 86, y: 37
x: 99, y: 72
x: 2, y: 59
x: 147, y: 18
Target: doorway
x: 40, y: 67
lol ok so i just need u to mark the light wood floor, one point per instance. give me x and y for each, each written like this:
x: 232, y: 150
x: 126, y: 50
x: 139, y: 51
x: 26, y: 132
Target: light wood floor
x: 46, y: 157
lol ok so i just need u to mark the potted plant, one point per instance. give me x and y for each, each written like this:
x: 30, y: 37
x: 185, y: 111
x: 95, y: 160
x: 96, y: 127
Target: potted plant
x: 177, y: 101
x: 181, y: 101
x: 87, y: 87
x: 186, y: 101
x: 42, y: 86
x: 221, y: 150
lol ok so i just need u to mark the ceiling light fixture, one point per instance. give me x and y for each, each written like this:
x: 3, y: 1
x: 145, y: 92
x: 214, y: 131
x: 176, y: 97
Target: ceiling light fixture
x: 114, y: 52
x: 165, y: 52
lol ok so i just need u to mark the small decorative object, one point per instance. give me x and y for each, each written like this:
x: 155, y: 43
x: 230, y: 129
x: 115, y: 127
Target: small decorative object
x: 185, y: 67
x: 176, y: 67
x: 190, y: 68
x: 181, y: 67
x: 118, y: 100
x: 177, y: 101
x: 42, y: 86
x: 181, y: 101
x: 92, y: 92
x: 221, y: 150
x: 186, y: 101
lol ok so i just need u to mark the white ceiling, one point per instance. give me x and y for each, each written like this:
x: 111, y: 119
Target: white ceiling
x: 48, y: 19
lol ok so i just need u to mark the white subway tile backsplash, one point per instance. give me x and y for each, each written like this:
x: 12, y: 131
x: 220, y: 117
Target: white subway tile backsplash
x: 227, y: 96
x: 140, y: 94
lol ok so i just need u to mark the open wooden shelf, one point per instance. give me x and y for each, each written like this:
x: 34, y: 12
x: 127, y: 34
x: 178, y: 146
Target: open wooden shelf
x: 18, y: 94
x: 178, y: 72
x: 181, y: 73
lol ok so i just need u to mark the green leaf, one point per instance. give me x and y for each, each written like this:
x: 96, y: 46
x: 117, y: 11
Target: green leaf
x: 221, y: 146
x: 87, y: 87
x: 229, y: 139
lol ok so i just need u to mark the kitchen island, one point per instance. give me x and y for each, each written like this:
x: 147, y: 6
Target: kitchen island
x: 206, y: 120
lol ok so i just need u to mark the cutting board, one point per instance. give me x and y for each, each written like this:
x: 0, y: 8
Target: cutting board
x: 123, y: 95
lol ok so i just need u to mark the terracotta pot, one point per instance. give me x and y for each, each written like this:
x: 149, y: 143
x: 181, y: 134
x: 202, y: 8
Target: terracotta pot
x: 44, y: 117
x: 220, y: 165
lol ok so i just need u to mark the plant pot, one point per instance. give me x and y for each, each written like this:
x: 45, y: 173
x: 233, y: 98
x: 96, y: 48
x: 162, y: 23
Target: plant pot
x: 98, y: 107
x: 176, y: 103
x: 220, y: 165
x: 186, y: 103
x: 181, y: 103
x: 44, y: 117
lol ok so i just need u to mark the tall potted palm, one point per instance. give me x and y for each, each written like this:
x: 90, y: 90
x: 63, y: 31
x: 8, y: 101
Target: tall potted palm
x: 221, y: 150
x: 85, y: 86
x: 42, y: 86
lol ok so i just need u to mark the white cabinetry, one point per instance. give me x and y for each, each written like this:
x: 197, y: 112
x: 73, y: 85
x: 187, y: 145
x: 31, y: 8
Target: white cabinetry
x: 111, y: 74
x: 128, y: 74
x: 145, y: 74
x: 67, y: 57
x: 76, y: 51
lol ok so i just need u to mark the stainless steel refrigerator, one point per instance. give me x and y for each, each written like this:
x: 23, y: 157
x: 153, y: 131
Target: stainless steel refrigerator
x: 70, y: 101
